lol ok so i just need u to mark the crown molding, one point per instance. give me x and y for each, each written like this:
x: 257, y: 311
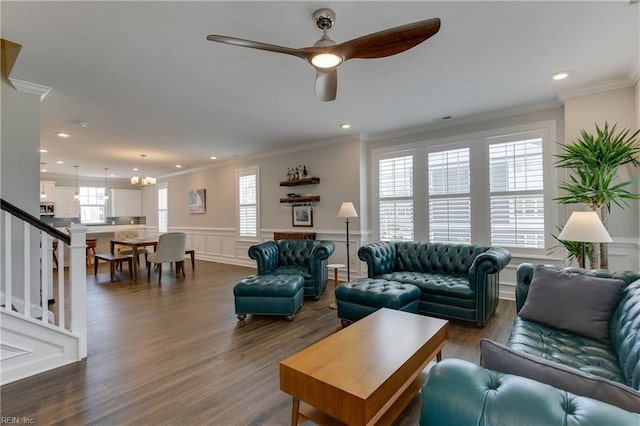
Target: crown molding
x: 30, y: 88
x: 599, y: 86
x: 462, y: 121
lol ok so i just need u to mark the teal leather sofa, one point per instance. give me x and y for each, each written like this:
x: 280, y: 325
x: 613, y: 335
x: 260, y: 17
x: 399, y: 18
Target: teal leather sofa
x: 460, y: 393
x: 307, y: 258
x: 459, y: 281
x: 608, y: 370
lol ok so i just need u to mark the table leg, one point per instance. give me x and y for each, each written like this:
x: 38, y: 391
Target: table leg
x: 439, y: 356
x: 112, y: 247
x: 295, y: 408
x: 334, y: 305
x: 135, y: 262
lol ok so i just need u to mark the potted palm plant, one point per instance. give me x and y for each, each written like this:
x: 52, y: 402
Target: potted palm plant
x: 594, y: 160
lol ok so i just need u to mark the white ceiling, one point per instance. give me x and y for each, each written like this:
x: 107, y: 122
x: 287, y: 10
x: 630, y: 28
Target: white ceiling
x: 146, y: 80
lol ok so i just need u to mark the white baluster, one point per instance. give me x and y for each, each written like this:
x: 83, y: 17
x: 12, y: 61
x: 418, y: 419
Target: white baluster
x: 26, y: 229
x: 45, y: 259
x: 78, y: 283
x: 61, y: 301
x: 8, y: 296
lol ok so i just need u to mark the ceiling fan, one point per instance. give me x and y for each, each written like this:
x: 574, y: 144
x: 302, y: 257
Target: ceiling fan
x: 325, y: 55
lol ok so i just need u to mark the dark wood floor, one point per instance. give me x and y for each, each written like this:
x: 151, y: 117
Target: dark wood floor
x: 175, y: 354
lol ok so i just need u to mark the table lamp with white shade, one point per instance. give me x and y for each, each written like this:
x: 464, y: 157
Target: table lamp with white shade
x: 347, y: 210
x: 585, y: 227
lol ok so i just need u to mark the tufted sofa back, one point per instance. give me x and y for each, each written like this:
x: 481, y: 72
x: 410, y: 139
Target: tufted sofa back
x: 295, y: 252
x: 437, y: 258
x: 624, y: 332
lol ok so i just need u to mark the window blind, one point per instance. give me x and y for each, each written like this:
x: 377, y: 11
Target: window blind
x: 163, y: 209
x: 517, y: 193
x: 449, y: 196
x: 395, y: 183
x: 247, y: 196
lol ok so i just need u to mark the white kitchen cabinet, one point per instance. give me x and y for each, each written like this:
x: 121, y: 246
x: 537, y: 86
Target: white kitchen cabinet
x: 126, y: 202
x: 66, y: 204
x: 49, y: 190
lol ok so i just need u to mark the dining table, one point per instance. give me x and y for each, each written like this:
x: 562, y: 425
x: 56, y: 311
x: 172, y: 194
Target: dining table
x: 134, y: 243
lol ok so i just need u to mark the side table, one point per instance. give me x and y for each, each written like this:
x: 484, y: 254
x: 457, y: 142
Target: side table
x: 335, y: 267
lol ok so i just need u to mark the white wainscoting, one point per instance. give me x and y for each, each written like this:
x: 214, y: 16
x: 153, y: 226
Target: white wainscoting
x: 223, y: 245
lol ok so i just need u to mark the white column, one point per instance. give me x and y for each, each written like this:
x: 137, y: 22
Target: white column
x: 78, y: 285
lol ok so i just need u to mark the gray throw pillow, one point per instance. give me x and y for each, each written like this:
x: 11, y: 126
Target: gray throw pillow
x: 495, y: 356
x: 573, y: 302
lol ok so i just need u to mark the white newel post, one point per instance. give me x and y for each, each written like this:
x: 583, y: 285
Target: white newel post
x: 78, y: 284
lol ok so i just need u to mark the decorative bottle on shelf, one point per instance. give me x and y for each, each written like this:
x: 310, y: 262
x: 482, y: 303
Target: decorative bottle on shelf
x: 297, y: 174
x: 288, y: 174
x: 305, y: 174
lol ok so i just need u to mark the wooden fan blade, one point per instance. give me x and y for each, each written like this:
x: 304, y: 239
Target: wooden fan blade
x: 326, y: 84
x: 300, y: 53
x: 388, y: 42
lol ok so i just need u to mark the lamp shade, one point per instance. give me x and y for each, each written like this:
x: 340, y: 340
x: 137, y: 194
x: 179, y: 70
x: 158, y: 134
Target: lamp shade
x: 347, y: 210
x: 585, y: 227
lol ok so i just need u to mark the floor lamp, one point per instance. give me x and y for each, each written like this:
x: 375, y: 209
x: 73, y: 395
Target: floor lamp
x: 347, y: 210
x: 585, y: 227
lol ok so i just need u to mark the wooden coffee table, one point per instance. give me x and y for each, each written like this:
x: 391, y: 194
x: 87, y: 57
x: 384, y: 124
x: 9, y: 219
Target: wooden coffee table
x: 366, y: 373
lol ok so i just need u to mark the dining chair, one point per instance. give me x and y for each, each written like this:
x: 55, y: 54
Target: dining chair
x: 126, y: 250
x: 171, y: 248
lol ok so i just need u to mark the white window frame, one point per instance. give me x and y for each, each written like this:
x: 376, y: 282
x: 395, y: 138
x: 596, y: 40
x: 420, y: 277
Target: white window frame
x: 448, y: 196
x: 376, y: 186
x: 161, y: 187
x: 98, y: 204
x: 248, y: 171
x: 478, y: 143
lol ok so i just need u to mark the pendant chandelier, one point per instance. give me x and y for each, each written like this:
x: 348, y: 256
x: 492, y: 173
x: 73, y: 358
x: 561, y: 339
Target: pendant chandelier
x: 145, y: 180
x: 43, y: 195
x: 106, y: 189
x: 77, y: 194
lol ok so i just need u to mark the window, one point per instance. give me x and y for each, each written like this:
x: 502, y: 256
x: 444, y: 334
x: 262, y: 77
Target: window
x: 449, y: 196
x: 163, y: 209
x: 395, y: 182
x: 517, y: 193
x: 92, y: 204
x: 248, y: 202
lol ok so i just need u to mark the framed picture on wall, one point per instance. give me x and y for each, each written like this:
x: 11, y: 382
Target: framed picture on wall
x: 197, y: 201
x: 302, y: 216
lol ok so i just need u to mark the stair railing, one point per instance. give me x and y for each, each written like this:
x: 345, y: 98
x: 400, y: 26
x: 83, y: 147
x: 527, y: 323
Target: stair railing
x: 75, y: 240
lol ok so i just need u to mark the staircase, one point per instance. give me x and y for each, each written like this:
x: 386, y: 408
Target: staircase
x: 34, y: 339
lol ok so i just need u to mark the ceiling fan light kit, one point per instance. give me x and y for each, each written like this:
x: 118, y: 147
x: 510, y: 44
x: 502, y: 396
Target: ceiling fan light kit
x: 325, y: 55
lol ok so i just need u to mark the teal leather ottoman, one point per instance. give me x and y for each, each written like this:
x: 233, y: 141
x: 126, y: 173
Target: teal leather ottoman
x: 269, y: 295
x: 359, y: 298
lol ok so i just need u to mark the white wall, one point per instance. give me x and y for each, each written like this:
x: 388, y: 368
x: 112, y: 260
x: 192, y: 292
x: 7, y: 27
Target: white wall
x: 20, y: 176
x: 213, y: 234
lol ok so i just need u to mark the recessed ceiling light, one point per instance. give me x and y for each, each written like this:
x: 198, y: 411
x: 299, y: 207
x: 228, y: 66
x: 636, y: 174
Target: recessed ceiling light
x: 345, y: 126
x: 43, y: 150
x: 178, y: 166
x: 43, y: 170
x: 112, y: 175
x: 213, y: 157
x: 135, y: 169
x: 63, y: 135
x: 59, y: 162
x: 560, y: 75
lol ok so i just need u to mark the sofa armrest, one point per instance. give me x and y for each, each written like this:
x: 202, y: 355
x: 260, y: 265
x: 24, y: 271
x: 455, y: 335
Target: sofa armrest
x: 491, y: 261
x: 380, y: 258
x: 322, y: 251
x: 490, y: 397
x: 266, y: 256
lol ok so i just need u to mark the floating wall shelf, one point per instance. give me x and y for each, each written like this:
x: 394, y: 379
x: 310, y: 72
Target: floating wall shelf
x: 307, y: 181
x: 303, y: 199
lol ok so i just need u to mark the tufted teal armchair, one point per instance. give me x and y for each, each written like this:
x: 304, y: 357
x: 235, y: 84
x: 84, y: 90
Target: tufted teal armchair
x: 458, y: 281
x: 301, y: 257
